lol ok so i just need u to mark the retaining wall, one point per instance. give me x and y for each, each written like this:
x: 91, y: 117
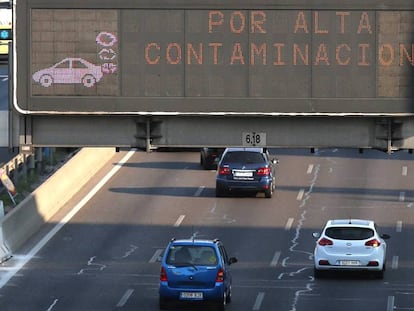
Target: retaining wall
x: 35, y: 210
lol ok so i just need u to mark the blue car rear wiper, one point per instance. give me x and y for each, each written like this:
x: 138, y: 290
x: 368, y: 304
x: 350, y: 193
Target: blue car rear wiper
x: 185, y: 264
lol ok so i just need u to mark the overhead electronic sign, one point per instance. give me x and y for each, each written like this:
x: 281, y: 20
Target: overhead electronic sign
x: 186, y: 59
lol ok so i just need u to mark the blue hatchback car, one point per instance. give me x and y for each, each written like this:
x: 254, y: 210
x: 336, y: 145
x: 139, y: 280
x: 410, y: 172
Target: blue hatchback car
x: 195, y: 270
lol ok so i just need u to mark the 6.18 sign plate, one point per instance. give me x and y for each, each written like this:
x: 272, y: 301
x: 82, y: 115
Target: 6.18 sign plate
x: 254, y: 139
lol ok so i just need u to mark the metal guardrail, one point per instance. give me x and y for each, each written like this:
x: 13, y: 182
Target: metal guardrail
x: 16, y: 163
x: 18, y: 167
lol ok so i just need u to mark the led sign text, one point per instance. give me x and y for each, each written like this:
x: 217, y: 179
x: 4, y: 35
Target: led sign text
x: 259, y: 51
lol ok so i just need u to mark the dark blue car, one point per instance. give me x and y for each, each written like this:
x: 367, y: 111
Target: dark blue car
x: 195, y: 270
x: 247, y: 170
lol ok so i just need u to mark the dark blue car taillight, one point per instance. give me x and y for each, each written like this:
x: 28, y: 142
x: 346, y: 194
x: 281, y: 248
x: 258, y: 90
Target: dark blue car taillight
x: 263, y: 171
x: 224, y: 170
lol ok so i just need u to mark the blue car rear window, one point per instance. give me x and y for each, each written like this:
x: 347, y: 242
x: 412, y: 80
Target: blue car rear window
x: 191, y: 254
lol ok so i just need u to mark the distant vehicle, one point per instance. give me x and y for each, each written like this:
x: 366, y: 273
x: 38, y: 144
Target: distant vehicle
x: 195, y: 270
x: 70, y: 70
x: 209, y: 157
x: 6, y: 34
x: 246, y: 169
x: 350, y: 244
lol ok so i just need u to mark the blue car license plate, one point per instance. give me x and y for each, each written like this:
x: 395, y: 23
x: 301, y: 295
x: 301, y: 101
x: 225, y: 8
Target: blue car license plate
x: 191, y: 295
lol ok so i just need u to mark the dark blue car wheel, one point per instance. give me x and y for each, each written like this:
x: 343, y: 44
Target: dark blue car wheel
x: 163, y: 303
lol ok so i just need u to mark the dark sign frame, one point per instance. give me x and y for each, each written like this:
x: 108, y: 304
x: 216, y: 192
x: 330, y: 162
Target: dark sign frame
x: 117, y: 97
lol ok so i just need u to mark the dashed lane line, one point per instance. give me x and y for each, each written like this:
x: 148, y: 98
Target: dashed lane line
x: 179, y: 221
x: 289, y: 224
x: 125, y: 298
x: 259, y: 301
x: 275, y: 259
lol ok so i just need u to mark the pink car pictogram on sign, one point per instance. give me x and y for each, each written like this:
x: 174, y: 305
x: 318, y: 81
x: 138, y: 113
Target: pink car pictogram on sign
x: 70, y: 70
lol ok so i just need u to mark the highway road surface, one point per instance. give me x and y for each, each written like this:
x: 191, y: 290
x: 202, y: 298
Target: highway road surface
x: 104, y: 255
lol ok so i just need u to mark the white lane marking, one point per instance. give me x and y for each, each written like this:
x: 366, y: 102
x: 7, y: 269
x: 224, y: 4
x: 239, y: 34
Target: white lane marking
x: 156, y: 255
x: 52, y: 305
x: 300, y: 293
x: 275, y: 259
x: 125, y: 298
x: 295, y: 244
x: 94, y: 266
x: 310, y: 168
x: 194, y: 235
x: 258, y: 302
x: 284, y: 265
x: 404, y: 171
x: 20, y: 264
x: 390, y: 303
x: 132, y: 249
x: 300, y: 194
x: 179, y: 221
x: 289, y: 224
x: 394, y: 264
x: 399, y: 226
x: 199, y: 191
x: 402, y: 196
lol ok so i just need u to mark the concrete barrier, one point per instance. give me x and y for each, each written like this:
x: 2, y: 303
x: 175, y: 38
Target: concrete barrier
x: 5, y: 252
x: 36, y: 209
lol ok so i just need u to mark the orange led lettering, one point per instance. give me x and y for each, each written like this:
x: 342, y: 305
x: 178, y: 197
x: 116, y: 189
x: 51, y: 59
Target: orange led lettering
x: 386, y: 55
x: 152, y: 61
x: 257, y: 22
x: 339, y: 59
x: 317, y: 30
x: 237, y: 22
x: 215, y: 18
x: 303, y: 56
x: 404, y: 52
x: 173, y: 49
x: 237, y: 54
x: 278, y: 61
x: 322, y: 55
x: 259, y: 51
x: 198, y: 55
x: 342, y: 20
x: 215, y: 46
x: 301, y: 23
x: 364, y: 24
x: 363, y: 61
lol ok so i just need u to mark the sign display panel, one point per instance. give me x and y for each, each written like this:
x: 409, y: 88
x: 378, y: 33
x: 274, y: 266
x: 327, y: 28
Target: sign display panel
x: 74, y: 52
x: 213, y: 60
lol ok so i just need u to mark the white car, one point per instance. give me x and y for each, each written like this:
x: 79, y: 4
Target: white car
x: 350, y: 244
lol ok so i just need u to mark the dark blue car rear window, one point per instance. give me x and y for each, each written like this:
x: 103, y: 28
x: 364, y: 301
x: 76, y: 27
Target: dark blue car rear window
x: 243, y: 157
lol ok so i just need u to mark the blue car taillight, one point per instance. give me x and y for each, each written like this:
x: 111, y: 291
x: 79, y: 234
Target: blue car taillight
x: 163, y: 275
x: 220, y: 276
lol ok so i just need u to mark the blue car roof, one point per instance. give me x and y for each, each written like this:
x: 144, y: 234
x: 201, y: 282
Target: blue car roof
x: 193, y: 242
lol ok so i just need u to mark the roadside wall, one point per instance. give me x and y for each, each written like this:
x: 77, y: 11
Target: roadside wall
x: 35, y: 210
